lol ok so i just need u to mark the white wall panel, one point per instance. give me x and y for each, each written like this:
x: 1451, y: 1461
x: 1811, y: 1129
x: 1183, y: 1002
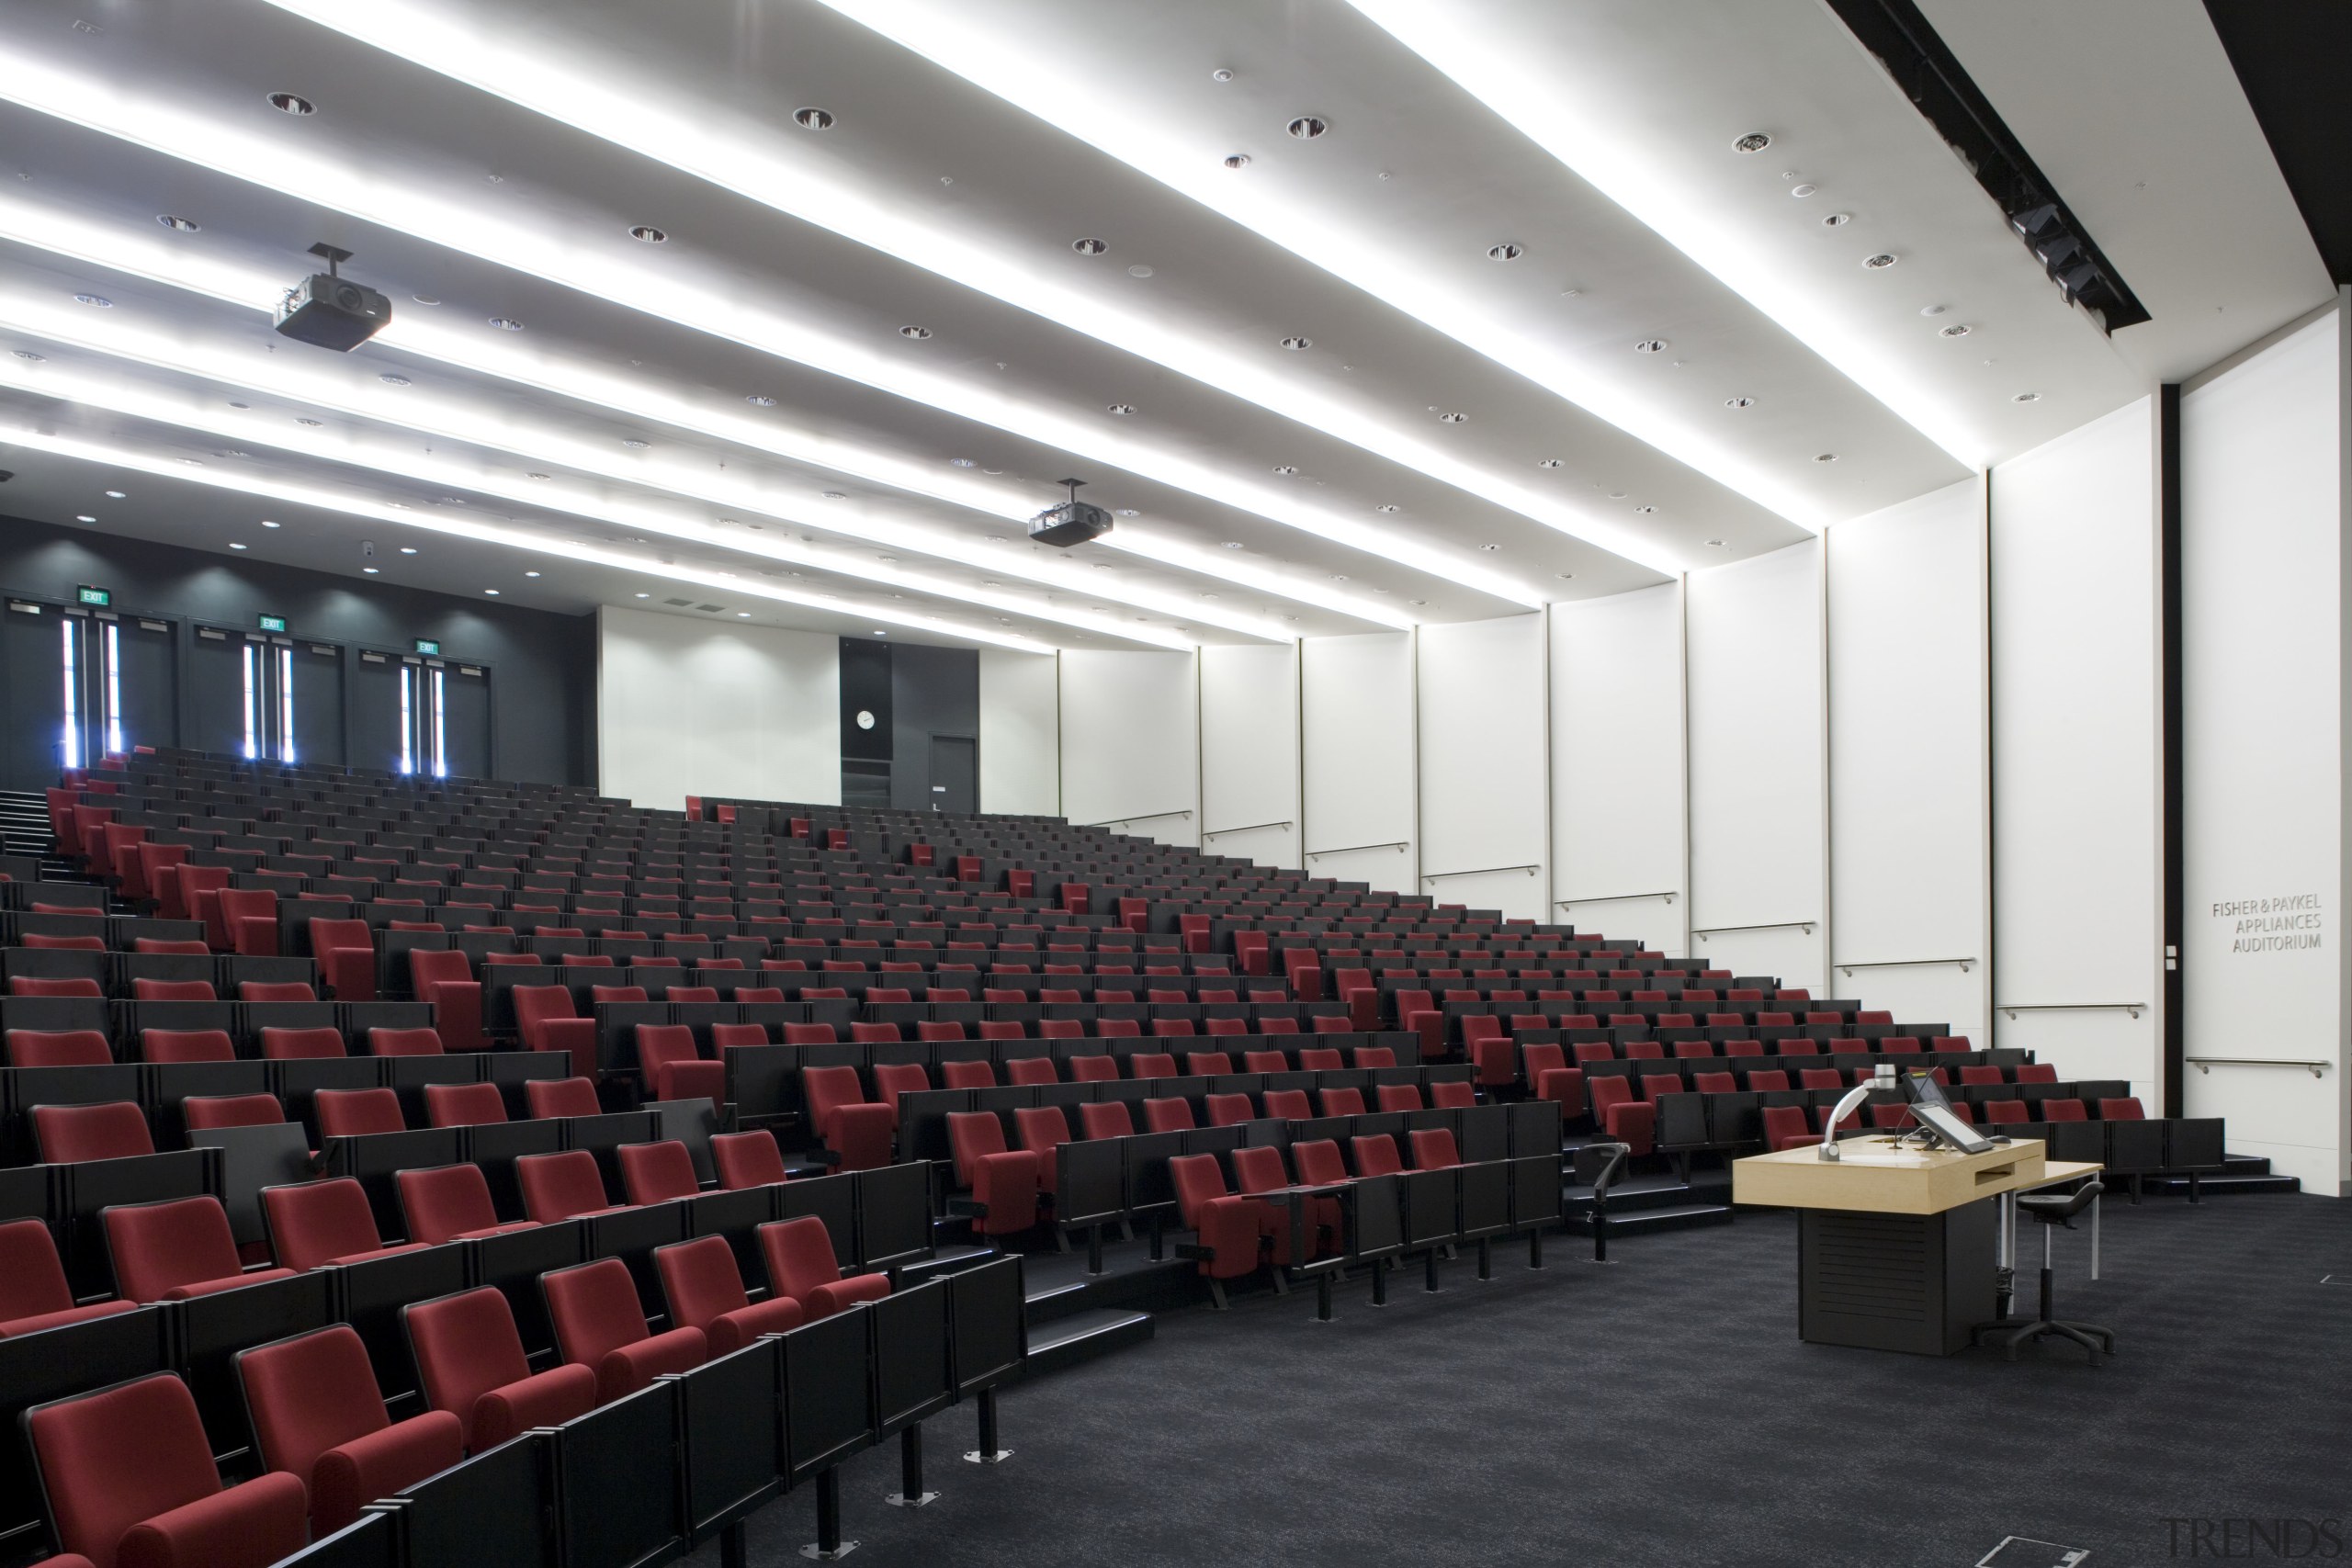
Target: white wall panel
x: 1249, y: 752
x: 1020, y: 741
x: 1357, y: 768
x: 2077, y: 791
x: 685, y: 707
x: 1907, y: 847
x: 1130, y: 743
x: 1617, y: 766
x: 1757, y: 839
x: 1481, y: 765
x: 2263, y: 653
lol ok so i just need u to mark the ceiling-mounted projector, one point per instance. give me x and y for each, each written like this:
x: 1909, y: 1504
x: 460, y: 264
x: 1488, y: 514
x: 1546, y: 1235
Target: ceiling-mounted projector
x: 1074, y: 521
x: 329, y: 311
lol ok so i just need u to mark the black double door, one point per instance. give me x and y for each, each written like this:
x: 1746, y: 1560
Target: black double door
x: 80, y: 683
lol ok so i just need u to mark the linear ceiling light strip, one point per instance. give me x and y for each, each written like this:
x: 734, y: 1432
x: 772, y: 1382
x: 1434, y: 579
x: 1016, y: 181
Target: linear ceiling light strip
x: 100, y: 105
x: 1518, y: 85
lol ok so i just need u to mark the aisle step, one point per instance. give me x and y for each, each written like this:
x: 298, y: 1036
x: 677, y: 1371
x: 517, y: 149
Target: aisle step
x: 1652, y: 1221
x: 1083, y: 1337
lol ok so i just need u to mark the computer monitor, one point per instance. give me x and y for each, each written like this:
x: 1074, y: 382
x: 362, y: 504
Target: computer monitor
x: 1920, y: 1088
x: 1939, y: 1120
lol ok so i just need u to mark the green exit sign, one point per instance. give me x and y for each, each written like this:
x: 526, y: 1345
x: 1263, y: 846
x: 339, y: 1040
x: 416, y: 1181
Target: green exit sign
x: 272, y: 622
x: 103, y: 598
x: 427, y: 645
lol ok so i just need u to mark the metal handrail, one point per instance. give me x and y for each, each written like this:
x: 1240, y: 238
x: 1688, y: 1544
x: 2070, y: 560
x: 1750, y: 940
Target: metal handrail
x: 1482, y: 871
x: 2134, y: 1009
x: 1965, y: 964
x: 1252, y: 828
x: 1399, y: 845
x: 2207, y: 1063
x: 1768, y: 925
x: 1127, y: 821
x: 1613, y: 898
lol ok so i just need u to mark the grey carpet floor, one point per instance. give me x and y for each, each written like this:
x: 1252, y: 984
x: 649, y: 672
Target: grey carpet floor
x: 1661, y: 1411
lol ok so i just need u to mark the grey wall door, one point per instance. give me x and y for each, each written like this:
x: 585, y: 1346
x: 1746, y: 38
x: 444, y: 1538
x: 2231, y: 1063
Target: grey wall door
x: 954, y: 774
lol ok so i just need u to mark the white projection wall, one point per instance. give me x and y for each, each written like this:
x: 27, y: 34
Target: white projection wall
x: 1249, y: 752
x: 687, y: 708
x: 1356, y: 759
x: 1020, y: 733
x: 1908, y: 829
x: 1757, y: 839
x: 1130, y: 747
x: 1481, y: 765
x: 2077, y: 788
x: 2263, y: 652
x: 1617, y: 807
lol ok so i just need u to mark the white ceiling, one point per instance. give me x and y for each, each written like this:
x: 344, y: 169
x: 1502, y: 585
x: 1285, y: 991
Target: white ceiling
x: 970, y: 146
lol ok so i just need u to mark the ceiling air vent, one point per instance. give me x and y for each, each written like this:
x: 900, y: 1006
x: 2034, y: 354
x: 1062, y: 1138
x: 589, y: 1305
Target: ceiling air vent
x: 677, y: 603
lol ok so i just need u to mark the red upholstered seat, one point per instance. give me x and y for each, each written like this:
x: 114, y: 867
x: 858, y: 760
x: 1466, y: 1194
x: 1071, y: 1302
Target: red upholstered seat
x: 1339, y: 1101
x: 1005, y: 1182
x: 405, y: 1042
x: 657, y: 1172
x: 562, y: 1186
x: 1031, y: 1071
x: 282, y: 1044
x: 2036, y: 1072
x: 275, y: 992
x: 60, y: 985
x: 1042, y: 1129
x: 545, y: 1018
x: 1375, y: 1154
x: 803, y: 1268
x: 58, y: 1048
x: 600, y: 1324
x: 1228, y: 1110
x: 747, y: 1159
x: 175, y: 1249
x: 449, y: 1202
x: 33, y: 1291
x: 2005, y: 1112
x: 130, y: 1482
x: 1786, y: 1128
x: 1433, y: 1148
x: 186, y: 1045
x: 1233, y: 1232
x: 203, y: 1112
x: 352, y: 1112
x: 114, y: 1129
x: 318, y: 1414
x: 317, y: 1223
x: 673, y: 1068
x: 463, y: 1104
x: 443, y: 977
x: 1623, y: 1117
x: 704, y: 1291
x: 470, y: 1360
x: 171, y: 990
x: 859, y: 1133
x: 1168, y: 1115
x: 1110, y: 1119
x: 561, y: 1097
x: 2125, y: 1109
x: 1398, y: 1096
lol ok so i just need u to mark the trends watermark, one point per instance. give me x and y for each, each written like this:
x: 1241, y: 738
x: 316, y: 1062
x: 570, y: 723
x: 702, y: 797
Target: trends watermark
x: 2252, y: 1540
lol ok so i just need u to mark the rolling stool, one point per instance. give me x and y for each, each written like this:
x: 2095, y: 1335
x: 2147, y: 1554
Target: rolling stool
x: 2053, y: 1210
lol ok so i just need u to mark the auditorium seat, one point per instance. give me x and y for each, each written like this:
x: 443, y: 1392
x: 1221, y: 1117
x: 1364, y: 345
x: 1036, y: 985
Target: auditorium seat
x: 1286, y: 1104
x: 2005, y: 1112
x: 2036, y: 1072
x: 33, y: 1291
x: 1232, y: 1231
x: 704, y: 1291
x: 2125, y: 1109
x: 1151, y: 1064
x: 58, y: 1048
x: 803, y: 1268
x: 562, y: 1186
x: 471, y: 1362
x: 275, y: 992
x: 1433, y: 1148
x: 62, y: 986
x: 352, y: 1112
x: 463, y: 1104
x: 1110, y: 1119
x: 114, y: 1129
x: 547, y: 1021
x: 1168, y: 1115
x: 544, y: 1098
x: 405, y: 1042
x: 1785, y: 1127
x: 856, y: 1131
x: 747, y: 1159
x: 282, y: 1044
x: 316, y: 1223
x: 145, y: 991
x: 1041, y: 1129
x: 1029, y: 1071
x: 443, y: 977
x: 1004, y: 1183
x: 657, y: 1172
x: 1097, y: 1069
x: 449, y: 1202
x: 1339, y: 1101
x: 205, y: 1113
x: 1624, y: 1118
x: 319, y: 1415
x: 175, y: 1249
x: 1397, y: 1097
x: 600, y: 1323
x: 1374, y: 1155
x: 674, y: 1067
x: 128, y: 1478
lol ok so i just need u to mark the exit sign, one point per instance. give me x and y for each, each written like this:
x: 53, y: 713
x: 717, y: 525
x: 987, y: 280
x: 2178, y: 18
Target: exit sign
x: 101, y: 597
x: 427, y: 645
x: 272, y: 622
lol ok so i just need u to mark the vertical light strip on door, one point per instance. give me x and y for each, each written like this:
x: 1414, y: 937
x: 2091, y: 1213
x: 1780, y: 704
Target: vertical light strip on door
x: 72, y: 751
x: 286, y: 704
x: 252, y: 701
x: 407, y: 718
x: 440, y: 728
x: 114, y: 689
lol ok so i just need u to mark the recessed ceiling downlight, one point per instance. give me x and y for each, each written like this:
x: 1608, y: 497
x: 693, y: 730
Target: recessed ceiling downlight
x: 1451, y: 417
x: 1754, y: 142
x: 30, y: 356
x: 1285, y: 469
x: 1739, y: 402
x: 96, y: 302
x: 1089, y: 247
x: 1307, y: 127
x: 918, y: 333
x: 1650, y: 345
x: 2027, y: 398
x: 1836, y: 219
x: 1802, y: 190
x: 292, y: 103
x: 389, y: 379
x: 1957, y: 329
x: 1507, y: 251
x: 1122, y: 410
x: 1824, y: 456
x: 1547, y: 462
x: 813, y: 118
x: 179, y: 225
x: 506, y: 324
x: 760, y: 401
x: 1237, y: 160
x: 648, y: 234
x: 1880, y: 262
x: 1298, y: 344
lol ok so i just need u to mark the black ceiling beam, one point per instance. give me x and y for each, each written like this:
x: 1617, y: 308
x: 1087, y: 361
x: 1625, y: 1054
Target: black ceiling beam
x: 1931, y: 76
x: 2289, y: 56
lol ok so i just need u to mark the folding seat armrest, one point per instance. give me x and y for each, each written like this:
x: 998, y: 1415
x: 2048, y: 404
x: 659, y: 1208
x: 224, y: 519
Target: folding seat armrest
x: 1565, y: 1085
x: 1429, y: 1024
x: 1635, y: 1124
x: 456, y: 1013
x: 350, y: 972
x: 575, y: 1037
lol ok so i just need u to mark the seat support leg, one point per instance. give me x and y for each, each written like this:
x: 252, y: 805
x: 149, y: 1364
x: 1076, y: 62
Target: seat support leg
x: 989, y: 1451
x: 1094, y: 1248
x: 1428, y: 1271
x: 732, y: 1552
x: 1486, y: 1258
x: 829, y: 1546
x: 1380, y: 1282
x: 1323, y: 1296
x: 1535, y: 1247
x: 910, y: 1493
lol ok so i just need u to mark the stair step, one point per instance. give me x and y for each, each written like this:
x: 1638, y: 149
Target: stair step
x: 1082, y: 1337
x: 1645, y: 1221
x: 2223, y: 1184
x: 1052, y: 1303
x: 1632, y: 1193
x: 946, y: 1260
x: 2245, y: 1165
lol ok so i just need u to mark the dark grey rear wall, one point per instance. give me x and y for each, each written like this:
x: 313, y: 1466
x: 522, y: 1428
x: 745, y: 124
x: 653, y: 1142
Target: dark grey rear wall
x: 543, y: 665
